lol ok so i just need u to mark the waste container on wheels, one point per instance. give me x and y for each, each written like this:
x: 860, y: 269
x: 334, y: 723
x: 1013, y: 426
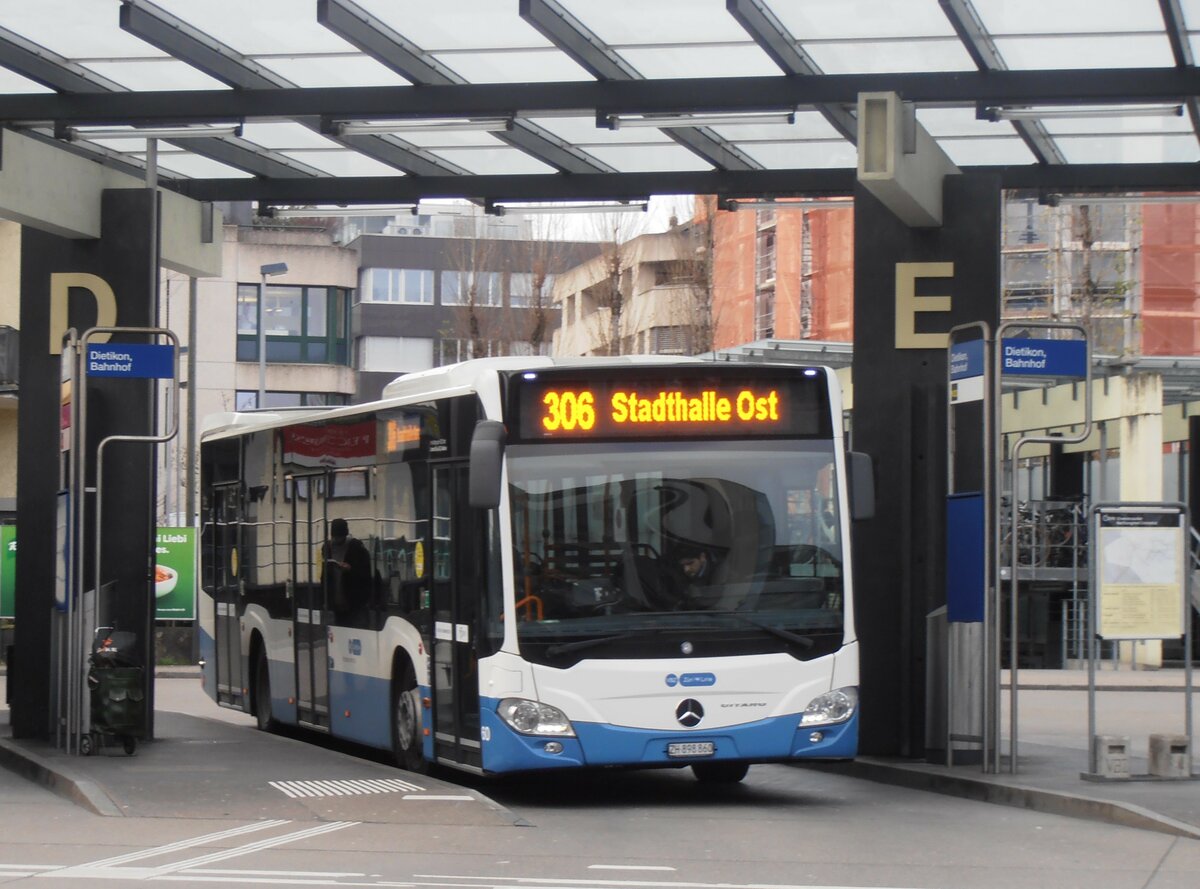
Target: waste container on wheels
x: 117, y: 699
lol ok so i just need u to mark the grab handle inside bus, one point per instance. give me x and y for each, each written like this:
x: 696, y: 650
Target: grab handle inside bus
x: 862, y: 485
x: 487, y: 456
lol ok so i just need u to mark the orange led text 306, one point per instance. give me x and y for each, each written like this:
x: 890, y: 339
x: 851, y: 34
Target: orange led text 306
x: 569, y: 411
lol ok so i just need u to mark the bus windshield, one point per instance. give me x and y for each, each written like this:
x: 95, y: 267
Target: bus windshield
x: 637, y: 549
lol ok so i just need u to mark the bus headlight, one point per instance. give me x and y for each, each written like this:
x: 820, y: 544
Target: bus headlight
x: 532, y: 718
x: 830, y: 708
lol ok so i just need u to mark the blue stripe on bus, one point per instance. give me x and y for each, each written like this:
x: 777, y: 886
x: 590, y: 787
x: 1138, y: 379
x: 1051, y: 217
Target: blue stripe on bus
x: 773, y: 739
x: 365, y: 698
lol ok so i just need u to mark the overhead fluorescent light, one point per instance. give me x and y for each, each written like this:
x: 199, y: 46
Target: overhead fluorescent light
x: 1082, y: 112
x: 546, y: 209
x: 335, y: 212
x: 196, y: 132
x: 811, y: 204
x: 459, y: 124
x: 626, y: 121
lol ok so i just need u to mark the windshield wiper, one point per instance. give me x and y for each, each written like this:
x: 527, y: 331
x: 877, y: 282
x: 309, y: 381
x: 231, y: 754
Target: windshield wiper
x: 805, y: 642
x: 583, y: 644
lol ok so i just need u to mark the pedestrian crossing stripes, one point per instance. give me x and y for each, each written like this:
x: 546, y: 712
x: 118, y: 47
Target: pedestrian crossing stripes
x: 355, y: 787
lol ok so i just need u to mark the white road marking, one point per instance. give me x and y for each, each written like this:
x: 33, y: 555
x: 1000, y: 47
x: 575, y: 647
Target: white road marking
x: 184, y: 844
x: 629, y: 867
x: 443, y: 796
x: 348, y: 787
x: 225, y: 854
x: 506, y: 882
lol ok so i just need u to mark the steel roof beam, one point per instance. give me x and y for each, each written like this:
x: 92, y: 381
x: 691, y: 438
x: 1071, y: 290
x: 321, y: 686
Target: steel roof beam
x: 1181, y: 49
x: 637, y: 186
x: 776, y: 41
x: 667, y: 96
x: 359, y: 28
x: 58, y: 73
x: 188, y: 44
x: 604, y: 63
x: 982, y: 49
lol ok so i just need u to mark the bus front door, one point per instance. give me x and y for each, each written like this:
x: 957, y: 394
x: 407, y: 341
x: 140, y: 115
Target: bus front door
x: 227, y: 592
x: 310, y: 627
x: 457, y: 582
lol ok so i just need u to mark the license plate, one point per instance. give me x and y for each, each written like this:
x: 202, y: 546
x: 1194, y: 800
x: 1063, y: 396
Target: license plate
x: 694, y: 748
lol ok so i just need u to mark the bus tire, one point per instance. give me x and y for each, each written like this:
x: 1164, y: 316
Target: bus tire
x: 262, y: 693
x: 406, y: 720
x: 720, y: 772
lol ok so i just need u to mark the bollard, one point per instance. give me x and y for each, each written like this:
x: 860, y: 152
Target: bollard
x: 1111, y: 755
x: 1170, y: 756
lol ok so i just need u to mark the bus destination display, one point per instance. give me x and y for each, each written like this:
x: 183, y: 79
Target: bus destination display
x: 648, y: 408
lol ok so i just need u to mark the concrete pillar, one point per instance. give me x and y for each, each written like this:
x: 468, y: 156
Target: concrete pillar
x: 1140, y: 437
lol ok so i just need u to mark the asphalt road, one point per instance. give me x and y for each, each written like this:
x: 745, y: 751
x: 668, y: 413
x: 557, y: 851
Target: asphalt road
x: 782, y: 827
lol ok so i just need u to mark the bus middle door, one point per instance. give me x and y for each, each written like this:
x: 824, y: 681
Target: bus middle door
x: 457, y: 564
x: 311, y: 618
x: 227, y: 592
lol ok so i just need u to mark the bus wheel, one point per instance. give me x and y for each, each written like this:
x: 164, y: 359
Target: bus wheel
x: 262, y: 693
x: 720, y: 772
x: 406, y: 721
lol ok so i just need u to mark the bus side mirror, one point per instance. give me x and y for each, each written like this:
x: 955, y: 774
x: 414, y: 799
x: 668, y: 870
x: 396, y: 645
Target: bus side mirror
x: 487, y: 457
x: 862, y: 486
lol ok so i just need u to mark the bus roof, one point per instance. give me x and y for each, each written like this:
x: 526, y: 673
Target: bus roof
x: 435, y: 382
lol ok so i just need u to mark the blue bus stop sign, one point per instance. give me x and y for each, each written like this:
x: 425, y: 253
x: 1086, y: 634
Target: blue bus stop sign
x: 1045, y: 358
x: 135, y: 360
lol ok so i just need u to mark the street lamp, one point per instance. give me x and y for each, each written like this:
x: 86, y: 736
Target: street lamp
x: 269, y: 270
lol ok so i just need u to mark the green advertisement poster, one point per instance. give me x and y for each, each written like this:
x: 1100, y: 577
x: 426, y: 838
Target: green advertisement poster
x: 8, y: 570
x: 175, y: 574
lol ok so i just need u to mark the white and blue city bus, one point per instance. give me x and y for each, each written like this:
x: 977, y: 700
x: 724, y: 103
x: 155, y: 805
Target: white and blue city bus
x: 532, y: 602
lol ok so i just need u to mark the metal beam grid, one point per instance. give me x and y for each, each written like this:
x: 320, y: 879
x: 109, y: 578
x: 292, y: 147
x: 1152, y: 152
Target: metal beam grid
x: 577, y: 41
x: 94, y: 86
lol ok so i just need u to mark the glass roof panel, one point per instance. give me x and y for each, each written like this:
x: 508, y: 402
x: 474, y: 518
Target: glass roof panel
x: 532, y: 66
x: 461, y: 24
x: 802, y: 155
x: 631, y: 22
x: 1000, y: 150
x: 334, y: 70
x: 885, y: 56
x: 284, y: 135
x: 842, y: 19
x: 1191, y: 14
x: 808, y: 125
x: 94, y: 31
x: 961, y: 122
x: 263, y: 26
x: 583, y: 131
x: 494, y: 161
x: 726, y: 60
x: 11, y: 82
x: 1092, y: 51
x: 156, y: 74
x: 184, y: 163
x: 344, y: 162
x: 1068, y: 16
x: 1175, y: 148
x: 648, y: 158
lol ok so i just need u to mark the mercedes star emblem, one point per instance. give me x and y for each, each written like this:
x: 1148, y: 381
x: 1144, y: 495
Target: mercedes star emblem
x: 689, y: 713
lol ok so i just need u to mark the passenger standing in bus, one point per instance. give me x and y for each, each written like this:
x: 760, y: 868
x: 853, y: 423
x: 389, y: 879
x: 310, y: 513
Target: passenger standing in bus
x: 348, y: 572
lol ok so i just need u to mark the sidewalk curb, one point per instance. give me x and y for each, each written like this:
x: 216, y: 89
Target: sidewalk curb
x: 1020, y: 796
x: 80, y: 791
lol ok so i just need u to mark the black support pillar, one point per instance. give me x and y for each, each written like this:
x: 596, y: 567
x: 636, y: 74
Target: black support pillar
x: 902, y: 277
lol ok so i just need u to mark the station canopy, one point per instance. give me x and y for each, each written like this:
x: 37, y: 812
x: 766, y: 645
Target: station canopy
x: 373, y: 101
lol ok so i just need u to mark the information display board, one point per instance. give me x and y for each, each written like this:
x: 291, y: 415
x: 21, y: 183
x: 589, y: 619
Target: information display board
x: 1140, y: 573
x: 8, y: 570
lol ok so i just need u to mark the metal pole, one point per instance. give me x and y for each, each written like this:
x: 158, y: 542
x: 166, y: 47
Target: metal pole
x: 1014, y: 581
x: 1093, y: 575
x: 262, y: 343
x: 190, y: 463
